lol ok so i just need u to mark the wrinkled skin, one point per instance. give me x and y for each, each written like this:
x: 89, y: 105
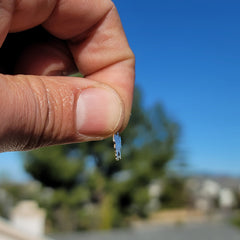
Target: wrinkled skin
x: 43, y: 41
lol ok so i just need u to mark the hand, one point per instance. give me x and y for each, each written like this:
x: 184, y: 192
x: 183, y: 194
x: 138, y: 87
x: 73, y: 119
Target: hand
x: 37, y: 106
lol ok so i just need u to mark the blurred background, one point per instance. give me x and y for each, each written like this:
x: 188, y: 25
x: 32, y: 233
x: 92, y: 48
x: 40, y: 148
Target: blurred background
x: 179, y: 177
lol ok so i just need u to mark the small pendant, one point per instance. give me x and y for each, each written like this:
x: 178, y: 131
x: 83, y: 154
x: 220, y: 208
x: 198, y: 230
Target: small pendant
x: 117, y: 146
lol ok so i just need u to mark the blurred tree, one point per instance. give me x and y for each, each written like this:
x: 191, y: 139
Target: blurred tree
x: 88, y: 180
x: 175, y: 194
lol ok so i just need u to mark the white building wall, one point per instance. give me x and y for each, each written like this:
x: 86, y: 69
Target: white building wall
x: 4, y: 237
x: 226, y: 198
x: 29, y: 218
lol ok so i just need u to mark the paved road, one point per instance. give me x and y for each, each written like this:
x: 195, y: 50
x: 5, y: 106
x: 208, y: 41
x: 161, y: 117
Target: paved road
x: 194, y: 231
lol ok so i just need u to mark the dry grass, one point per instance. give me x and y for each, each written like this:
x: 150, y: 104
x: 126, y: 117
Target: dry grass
x: 175, y: 216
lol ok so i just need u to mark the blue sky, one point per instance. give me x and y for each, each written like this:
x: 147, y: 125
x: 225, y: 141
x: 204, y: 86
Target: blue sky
x: 188, y: 58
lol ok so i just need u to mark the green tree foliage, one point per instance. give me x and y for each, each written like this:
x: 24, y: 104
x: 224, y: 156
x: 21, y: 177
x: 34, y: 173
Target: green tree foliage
x: 175, y: 194
x: 91, y: 189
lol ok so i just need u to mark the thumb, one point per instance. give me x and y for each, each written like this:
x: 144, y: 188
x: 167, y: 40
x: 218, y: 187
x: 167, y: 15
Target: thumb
x: 45, y: 110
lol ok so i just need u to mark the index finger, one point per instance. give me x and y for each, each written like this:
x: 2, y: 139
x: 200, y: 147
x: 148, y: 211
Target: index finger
x: 98, y: 43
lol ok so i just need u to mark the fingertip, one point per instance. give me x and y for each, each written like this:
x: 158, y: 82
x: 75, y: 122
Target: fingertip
x: 99, y: 112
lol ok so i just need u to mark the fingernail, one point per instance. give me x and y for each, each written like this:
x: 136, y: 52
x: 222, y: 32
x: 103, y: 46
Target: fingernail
x: 99, y: 112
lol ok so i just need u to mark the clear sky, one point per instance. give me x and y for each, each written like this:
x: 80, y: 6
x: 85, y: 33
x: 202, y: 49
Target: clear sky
x: 188, y: 58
